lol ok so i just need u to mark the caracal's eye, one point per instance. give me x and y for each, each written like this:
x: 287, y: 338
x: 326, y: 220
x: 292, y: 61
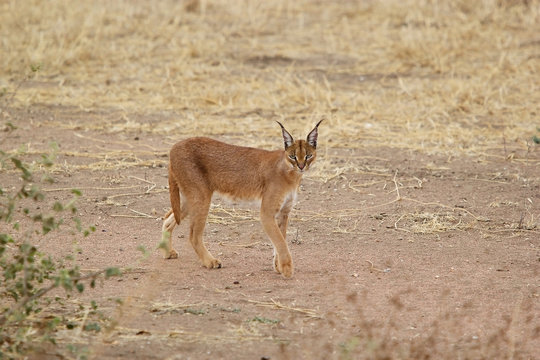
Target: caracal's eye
x: 292, y: 157
x: 309, y: 156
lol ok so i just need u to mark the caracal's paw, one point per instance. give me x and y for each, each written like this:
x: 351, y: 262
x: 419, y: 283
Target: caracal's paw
x: 173, y: 254
x: 212, y: 264
x: 286, y: 270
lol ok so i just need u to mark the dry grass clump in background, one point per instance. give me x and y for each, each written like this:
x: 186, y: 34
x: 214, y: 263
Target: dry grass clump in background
x: 440, y: 77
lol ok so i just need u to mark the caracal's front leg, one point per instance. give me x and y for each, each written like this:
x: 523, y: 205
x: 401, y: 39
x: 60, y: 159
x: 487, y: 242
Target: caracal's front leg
x: 198, y: 213
x: 282, y: 218
x: 282, y: 256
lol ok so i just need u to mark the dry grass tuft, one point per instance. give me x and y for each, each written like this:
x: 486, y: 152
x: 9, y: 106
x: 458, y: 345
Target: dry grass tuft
x: 428, y: 223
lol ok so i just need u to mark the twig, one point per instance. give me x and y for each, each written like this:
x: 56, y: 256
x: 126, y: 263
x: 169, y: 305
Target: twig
x: 136, y: 194
x: 90, y: 188
x: 141, y: 179
x: 397, y: 188
x: 142, y: 214
x: 398, y: 220
x: 132, y: 216
x: 374, y: 268
x: 277, y: 305
x: 509, y: 230
x: 240, y: 245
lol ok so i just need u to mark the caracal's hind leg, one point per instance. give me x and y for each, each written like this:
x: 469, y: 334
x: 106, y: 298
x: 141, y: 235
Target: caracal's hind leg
x: 173, y: 217
x: 198, y: 213
x: 169, y: 223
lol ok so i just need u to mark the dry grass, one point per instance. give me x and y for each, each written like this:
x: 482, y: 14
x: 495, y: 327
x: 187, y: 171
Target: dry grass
x: 451, y: 77
x: 429, y: 223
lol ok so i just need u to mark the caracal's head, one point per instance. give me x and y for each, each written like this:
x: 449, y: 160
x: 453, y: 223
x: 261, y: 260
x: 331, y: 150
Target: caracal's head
x: 300, y: 154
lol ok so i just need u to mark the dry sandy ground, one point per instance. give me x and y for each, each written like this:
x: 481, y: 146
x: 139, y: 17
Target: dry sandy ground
x: 408, y: 256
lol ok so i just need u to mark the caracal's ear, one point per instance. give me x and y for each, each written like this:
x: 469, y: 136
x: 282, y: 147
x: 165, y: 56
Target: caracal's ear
x: 287, y: 138
x: 312, y: 136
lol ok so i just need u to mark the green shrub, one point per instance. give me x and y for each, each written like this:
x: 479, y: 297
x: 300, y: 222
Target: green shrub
x: 27, y: 274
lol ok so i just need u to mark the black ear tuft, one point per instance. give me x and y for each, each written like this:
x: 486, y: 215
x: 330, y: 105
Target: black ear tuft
x: 312, y: 136
x: 287, y: 138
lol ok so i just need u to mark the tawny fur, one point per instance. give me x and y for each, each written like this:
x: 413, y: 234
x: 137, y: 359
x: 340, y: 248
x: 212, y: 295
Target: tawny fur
x: 200, y: 166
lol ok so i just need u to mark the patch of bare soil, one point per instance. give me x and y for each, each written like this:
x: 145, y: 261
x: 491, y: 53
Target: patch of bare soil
x: 401, y: 255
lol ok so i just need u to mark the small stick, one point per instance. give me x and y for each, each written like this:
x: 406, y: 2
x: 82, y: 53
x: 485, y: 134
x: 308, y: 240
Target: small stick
x: 240, y: 245
x: 374, y: 268
x: 396, y: 184
x: 279, y: 306
x: 140, y: 179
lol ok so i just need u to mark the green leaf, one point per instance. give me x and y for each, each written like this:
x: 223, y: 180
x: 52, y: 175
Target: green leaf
x: 58, y: 206
x: 53, y: 323
x: 35, y: 67
x: 90, y: 229
x: 265, y: 320
x: 27, y: 175
x: 13, y: 127
x: 71, y: 325
x: 92, y: 327
x: 112, y: 271
x: 48, y: 179
x: 49, y: 224
x: 78, y: 225
x: 76, y: 192
x: 46, y: 160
